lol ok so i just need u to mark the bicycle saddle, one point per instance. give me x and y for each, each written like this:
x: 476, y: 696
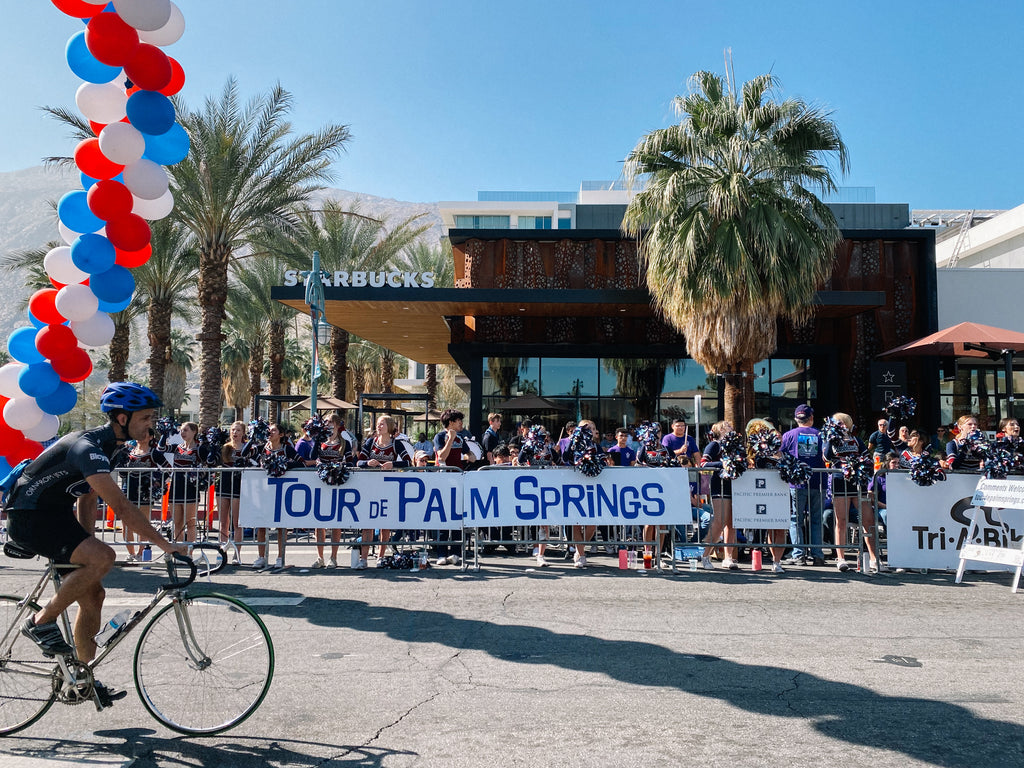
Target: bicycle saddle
x: 17, y: 552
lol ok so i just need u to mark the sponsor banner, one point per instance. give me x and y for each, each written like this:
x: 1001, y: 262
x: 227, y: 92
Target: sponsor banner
x: 618, y: 496
x: 927, y: 526
x: 760, y: 500
x: 1008, y: 493
x: 369, y: 499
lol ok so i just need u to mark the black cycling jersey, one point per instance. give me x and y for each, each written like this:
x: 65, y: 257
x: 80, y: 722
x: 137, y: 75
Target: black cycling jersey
x: 57, y: 477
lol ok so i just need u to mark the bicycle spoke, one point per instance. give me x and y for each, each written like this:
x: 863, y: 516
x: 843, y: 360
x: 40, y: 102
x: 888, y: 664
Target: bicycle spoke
x: 26, y: 678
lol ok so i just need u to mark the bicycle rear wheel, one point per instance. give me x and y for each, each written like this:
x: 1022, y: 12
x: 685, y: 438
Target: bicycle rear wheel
x: 26, y: 676
x: 204, y: 664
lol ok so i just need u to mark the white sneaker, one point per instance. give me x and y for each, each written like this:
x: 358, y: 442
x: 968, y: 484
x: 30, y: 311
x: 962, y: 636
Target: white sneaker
x: 877, y: 567
x: 236, y: 557
x: 279, y: 563
x: 580, y: 561
x: 731, y: 564
x: 318, y: 563
x: 842, y: 566
x: 706, y: 564
x: 130, y: 560
x: 360, y: 564
x: 454, y: 560
x: 542, y: 561
x: 777, y: 568
x: 332, y: 563
x: 259, y: 562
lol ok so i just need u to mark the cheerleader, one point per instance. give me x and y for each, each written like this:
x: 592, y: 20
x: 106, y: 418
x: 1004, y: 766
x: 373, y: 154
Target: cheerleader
x: 335, y: 450
x: 277, y: 446
x: 184, y: 499
x: 721, y: 498
x: 653, y: 453
x: 143, y: 485
x: 959, y: 453
x: 232, y: 455
x: 381, y: 451
x: 581, y: 534
x: 758, y: 429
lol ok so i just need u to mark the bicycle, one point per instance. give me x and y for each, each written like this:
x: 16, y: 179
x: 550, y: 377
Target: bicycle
x: 202, y: 665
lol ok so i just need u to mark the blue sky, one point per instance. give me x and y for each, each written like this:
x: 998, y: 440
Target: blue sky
x: 447, y: 98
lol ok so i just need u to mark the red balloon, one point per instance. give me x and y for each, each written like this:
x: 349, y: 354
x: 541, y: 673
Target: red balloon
x: 96, y: 127
x: 78, y: 8
x: 149, y: 69
x: 110, y: 40
x: 42, y: 306
x: 55, y: 284
x: 55, y: 341
x: 129, y: 232
x: 29, y: 449
x: 177, y: 78
x: 92, y: 162
x: 109, y: 199
x: 74, y: 366
x: 132, y: 259
x: 10, y: 438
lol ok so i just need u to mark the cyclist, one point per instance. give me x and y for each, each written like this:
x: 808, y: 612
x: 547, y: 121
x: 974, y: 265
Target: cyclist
x: 76, y: 470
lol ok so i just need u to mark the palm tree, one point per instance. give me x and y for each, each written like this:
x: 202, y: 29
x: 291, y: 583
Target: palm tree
x: 245, y: 170
x: 364, y: 360
x: 422, y: 257
x: 166, y: 285
x: 347, y: 241
x: 729, y: 227
x: 248, y: 327
x: 177, y: 370
x: 254, y: 279
x: 235, y: 359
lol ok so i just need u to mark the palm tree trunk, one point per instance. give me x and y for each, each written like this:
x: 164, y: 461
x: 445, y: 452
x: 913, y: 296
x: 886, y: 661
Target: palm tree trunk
x: 159, y: 332
x: 358, y: 380
x: 213, y: 293
x: 430, y: 381
x: 738, y: 396
x: 387, y: 370
x: 255, y: 377
x: 120, y: 347
x: 276, y: 361
x: 962, y: 391
x: 339, y: 366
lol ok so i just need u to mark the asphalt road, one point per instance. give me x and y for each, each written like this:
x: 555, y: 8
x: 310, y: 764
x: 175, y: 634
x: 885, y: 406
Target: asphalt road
x: 514, y: 666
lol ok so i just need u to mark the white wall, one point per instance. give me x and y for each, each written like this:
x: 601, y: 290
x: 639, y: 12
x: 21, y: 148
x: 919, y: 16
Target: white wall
x: 987, y: 296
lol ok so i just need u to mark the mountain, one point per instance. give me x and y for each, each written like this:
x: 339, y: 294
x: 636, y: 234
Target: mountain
x: 28, y: 220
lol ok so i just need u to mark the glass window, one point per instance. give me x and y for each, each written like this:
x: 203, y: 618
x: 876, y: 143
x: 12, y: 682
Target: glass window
x: 482, y: 222
x: 569, y: 377
x: 510, y: 376
x: 535, y: 222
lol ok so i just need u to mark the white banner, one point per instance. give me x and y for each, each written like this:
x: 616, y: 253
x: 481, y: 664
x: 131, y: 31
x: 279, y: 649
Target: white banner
x: 369, y: 499
x: 450, y: 500
x: 618, y: 496
x: 927, y: 526
x: 760, y: 500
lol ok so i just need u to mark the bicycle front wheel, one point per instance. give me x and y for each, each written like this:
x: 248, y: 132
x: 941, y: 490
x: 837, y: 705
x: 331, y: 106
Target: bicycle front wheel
x: 26, y: 677
x: 203, y: 664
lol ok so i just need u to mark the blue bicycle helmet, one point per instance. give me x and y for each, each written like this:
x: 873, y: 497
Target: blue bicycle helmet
x: 126, y: 396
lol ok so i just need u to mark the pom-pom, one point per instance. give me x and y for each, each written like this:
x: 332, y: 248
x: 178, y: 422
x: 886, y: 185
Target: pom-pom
x: 732, y: 467
x: 734, y: 458
x: 588, y: 463
x: 333, y: 473
x: 998, y: 463
x: 833, y: 431
x: 317, y: 429
x: 258, y: 431
x: 925, y: 470
x: 858, y: 470
x: 765, y: 444
x: 165, y: 427
x: 214, y: 438
x: 276, y: 464
x: 901, y: 408
x: 793, y: 471
x: 648, y: 434
x: 977, y: 443
x: 534, y: 450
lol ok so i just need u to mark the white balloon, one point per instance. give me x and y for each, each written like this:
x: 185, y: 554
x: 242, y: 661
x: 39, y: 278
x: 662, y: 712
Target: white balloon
x: 122, y: 143
x: 144, y: 15
x: 97, y: 2
x: 67, y: 235
x: 60, y: 267
x: 154, y: 209
x: 94, y: 331
x: 22, y: 412
x: 45, y: 429
x: 101, y: 103
x: 169, y: 33
x: 145, y: 179
x: 76, y: 302
x: 9, y: 386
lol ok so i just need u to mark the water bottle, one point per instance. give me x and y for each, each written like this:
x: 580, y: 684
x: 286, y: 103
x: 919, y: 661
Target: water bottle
x: 112, y: 627
x: 147, y: 557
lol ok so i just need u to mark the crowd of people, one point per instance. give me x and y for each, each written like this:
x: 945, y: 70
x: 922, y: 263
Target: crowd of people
x: 823, y: 505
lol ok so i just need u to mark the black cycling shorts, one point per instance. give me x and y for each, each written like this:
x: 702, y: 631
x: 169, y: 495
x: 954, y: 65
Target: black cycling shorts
x: 54, y: 534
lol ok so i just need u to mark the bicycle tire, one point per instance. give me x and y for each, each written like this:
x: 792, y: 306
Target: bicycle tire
x: 26, y: 676
x: 229, y: 684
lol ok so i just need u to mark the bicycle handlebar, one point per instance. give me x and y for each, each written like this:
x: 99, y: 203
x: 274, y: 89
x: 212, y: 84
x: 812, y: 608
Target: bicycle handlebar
x: 172, y: 559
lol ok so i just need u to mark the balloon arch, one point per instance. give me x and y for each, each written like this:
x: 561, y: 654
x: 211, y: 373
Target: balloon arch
x: 125, y: 96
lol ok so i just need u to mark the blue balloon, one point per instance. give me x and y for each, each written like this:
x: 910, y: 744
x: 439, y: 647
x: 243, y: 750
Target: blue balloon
x: 113, y: 307
x: 35, y: 320
x: 168, y: 148
x: 115, y: 285
x: 22, y: 346
x: 61, y: 400
x: 73, y: 210
x: 5, y: 468
x: 84, y: 64
x: 150, y: 112
x: 87, y: 181
x: 93, y: 254
x: 38, y: 380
